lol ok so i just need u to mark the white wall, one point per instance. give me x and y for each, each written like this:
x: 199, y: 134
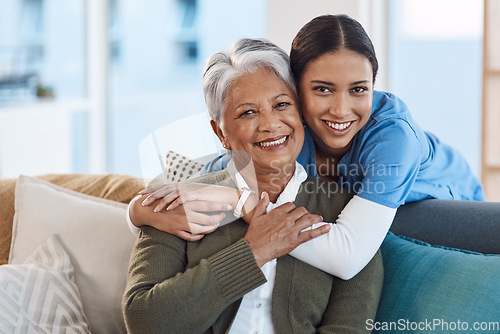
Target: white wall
x: 35, y: 141
x: 286, y: 17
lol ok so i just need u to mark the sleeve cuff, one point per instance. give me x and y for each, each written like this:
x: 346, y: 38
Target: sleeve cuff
x: 134, y: 229
x: 236, y: 270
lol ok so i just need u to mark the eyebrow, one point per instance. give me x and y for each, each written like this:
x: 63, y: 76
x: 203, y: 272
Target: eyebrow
x: 244, y: 104
x: 280, y: 95
x: 253, y: 104
x: 328, y: 83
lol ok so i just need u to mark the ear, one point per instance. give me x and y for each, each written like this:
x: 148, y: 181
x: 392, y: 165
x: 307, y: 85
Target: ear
x: 218, y: 131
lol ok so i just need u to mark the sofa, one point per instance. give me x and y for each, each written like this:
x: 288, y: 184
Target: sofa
x: 65, y: 246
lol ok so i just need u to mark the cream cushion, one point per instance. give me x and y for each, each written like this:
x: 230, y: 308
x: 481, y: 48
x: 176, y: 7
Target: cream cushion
x: 40, y: 295
x: 95, y: 234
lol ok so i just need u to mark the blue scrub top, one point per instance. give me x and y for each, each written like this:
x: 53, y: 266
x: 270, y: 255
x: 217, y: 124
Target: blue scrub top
x: 393, y: 161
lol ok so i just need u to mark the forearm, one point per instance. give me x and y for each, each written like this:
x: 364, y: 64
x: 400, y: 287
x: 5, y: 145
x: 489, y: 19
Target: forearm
x: 139, y: 215
x: 352, y: 241
x: 171, y: 298
x: 355, y: 301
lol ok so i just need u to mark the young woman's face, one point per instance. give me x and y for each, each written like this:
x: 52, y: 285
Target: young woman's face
x: 336, y: 93
x: 261, y: 117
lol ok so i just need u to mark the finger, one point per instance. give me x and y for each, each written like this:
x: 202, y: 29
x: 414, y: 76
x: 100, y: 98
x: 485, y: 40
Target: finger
x: 176, y: 202
x: 308, y: 220
x: 189, y: 236
x: 151, y: 198
x: 206, y: 206
x: 312, y: 233
x: 162, y: 204
x: 286, y: 207
x: 156, y: 188
x: 161, y: 192
x: 166, y: 196
x: 261, y: 207
x: 148, y: 191
x: 200, y: 229
x: 175, y: 199
x: 166, y: 191
x: 203, y: 219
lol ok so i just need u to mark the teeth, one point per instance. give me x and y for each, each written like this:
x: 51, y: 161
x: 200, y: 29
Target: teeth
x: 273, y: 143
x: 338, y: 126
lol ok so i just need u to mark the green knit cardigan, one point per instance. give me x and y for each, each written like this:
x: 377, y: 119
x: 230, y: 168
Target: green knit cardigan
x: 176, y: 286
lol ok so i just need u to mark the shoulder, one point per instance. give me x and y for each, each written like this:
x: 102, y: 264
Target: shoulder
x: 389, y: 106
x: 216, y: 164
x: 391, y: 137
x: 390, y: 120
x: 390, y: 123
x: 153, y: 244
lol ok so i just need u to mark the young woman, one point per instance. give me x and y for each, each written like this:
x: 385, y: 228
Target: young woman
x: 364, y: 140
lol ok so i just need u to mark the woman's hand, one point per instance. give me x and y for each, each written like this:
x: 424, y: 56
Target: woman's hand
x: 174, y: 194
x: 280, y: 231
x: 190, y: 221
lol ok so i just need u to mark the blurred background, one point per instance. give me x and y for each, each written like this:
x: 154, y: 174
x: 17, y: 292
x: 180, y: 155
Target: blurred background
x: 85, y: 85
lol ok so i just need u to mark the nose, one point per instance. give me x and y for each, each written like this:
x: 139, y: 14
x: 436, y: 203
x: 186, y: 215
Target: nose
x: 269, y: 121
x: 340, y: 106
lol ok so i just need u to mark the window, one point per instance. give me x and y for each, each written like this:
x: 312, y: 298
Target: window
x: 42, y: 87
x: 155, y: 79
x: 435, y: 66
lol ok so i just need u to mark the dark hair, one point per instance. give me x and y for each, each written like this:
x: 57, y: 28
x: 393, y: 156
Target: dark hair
x: 329, y: 33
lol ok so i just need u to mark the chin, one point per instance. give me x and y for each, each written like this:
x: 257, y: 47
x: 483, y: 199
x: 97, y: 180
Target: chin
x: 282, y: 166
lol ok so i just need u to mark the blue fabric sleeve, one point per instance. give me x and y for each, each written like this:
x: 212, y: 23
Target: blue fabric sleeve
x: 216, y: 165
x: 389, y: 162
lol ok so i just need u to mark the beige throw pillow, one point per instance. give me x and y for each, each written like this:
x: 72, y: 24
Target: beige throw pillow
x: 94, y: 233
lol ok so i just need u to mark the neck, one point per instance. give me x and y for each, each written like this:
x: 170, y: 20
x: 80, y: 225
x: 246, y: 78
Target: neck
x: 273, y: 181
x: 327, y: 160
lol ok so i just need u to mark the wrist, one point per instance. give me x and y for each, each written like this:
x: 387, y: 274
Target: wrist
x: 249, y: 207
x: 241, y: 206
x: 259, y: 258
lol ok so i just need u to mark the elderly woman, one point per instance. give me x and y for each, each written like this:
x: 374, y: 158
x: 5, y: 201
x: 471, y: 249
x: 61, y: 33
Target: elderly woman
x: 239, y: 278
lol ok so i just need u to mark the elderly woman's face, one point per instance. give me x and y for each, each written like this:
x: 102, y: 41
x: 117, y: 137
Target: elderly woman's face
x: 261, y: 117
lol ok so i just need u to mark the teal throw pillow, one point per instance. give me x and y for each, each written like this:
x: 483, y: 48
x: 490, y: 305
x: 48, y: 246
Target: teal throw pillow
x: 435, y: 289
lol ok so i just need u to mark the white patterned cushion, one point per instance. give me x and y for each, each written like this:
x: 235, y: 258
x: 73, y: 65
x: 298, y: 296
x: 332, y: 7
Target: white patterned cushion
x: 180, y: 168
x: 40, y: 295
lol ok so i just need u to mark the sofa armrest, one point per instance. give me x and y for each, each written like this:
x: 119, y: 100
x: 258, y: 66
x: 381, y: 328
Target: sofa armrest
x: 467, y: 225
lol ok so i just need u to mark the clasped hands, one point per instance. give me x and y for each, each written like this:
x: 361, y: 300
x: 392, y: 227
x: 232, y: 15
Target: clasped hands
x: 192, y: 210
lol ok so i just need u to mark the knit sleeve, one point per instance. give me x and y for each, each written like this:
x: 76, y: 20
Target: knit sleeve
x: 164, y: 296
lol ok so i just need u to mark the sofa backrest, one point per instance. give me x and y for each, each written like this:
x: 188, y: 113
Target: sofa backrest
x: 469, y: 225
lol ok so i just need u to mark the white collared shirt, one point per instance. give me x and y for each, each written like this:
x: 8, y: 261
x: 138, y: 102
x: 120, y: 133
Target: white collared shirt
x: 254, y: 315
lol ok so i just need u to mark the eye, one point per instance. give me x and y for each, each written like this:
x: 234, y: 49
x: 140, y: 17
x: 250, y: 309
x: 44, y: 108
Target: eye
x: 282, y: 105
x: 321, y: 89
x: 359, y: 89
x: 247, y: 113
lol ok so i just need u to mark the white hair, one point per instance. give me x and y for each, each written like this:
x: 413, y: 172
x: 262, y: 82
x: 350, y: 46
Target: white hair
x: 245, y: 56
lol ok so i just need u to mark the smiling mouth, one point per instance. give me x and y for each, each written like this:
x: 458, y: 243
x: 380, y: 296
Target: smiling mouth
x: 272, y: 143
x: 339, y: 126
